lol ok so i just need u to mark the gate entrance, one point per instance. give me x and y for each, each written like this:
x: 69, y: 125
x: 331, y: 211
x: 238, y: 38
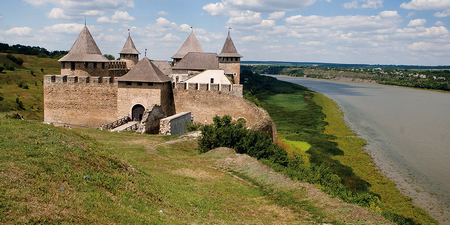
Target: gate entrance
x: 137, y: 112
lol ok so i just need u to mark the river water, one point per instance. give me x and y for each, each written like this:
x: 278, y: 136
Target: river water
x: 408, y: 135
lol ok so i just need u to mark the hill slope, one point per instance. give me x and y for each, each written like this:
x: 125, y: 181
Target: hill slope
x: 21, y: 88
x: 58, y: 175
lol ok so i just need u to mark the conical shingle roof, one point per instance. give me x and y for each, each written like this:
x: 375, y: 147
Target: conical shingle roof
x: 145, y: 71
x: 84, y: 49
x: 129, y: 47
x: 229, y: 50
x: 190, y: 45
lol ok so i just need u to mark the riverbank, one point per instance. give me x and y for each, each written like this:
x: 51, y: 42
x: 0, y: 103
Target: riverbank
x: 301, y: 122
x: 406, y: 132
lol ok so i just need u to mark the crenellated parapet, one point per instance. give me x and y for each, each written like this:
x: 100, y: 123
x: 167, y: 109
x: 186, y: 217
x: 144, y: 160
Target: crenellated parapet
x: 69, y: 79
x: 232, y: 89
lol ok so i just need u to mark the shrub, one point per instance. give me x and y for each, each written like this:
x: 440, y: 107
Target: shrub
x: 32, y: 72
x: 1, y: 68
x: 25, y: 86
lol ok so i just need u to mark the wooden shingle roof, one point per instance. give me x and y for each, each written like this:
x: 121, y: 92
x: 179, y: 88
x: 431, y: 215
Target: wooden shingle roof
x: 145, y: 71
x: 190, y: 45
x: 198, y: 61
x: 129, y: 47
x: 84, y: 50
x: 229, y: 50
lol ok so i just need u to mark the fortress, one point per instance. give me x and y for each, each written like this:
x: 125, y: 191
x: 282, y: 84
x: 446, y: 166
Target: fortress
x: 93, y: 91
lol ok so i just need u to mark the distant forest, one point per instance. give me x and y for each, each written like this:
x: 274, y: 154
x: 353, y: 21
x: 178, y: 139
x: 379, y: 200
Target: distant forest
x: 31, y: 50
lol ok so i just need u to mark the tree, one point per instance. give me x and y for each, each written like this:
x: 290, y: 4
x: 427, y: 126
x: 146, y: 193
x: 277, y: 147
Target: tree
x: 110, y: 57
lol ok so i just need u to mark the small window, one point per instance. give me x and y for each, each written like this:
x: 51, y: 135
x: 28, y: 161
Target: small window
x: 95, y: 65
x: 212, y: 80
x: 139, y: 83
x: 86, y: 65
x: 72, y: 66
x: 150, y: 84
x: 103, y: 65
x: 128, y: 83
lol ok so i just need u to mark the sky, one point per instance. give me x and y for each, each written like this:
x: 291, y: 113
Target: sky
x: 397, y: 32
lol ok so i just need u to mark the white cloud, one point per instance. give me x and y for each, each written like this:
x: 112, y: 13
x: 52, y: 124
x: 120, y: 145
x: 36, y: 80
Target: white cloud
x: 57, y: 13
x: 163, y: 13
x: 245, y: 17
x: 170, y: 37
x: 411, y: 14
x: 118, y: 16
x: 373, y: 4
x: 19, y: 31
x: 385, y: 19
x: 68, y: 9
x: 69, y: 28
x: 417, y: 23
x: 351, y: 5
x: 428, y: 47
x: 257, y: 5
x: 276, y: 15
x: 426, y: 5
x: 251, y: 38
x: 439, y: 23
x: 442, y: 14
x: 311, y: 43
x: 122, y: 16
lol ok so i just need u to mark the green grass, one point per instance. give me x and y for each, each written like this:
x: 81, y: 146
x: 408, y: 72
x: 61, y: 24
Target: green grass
x: 58, y: 175
x: 32, y: 97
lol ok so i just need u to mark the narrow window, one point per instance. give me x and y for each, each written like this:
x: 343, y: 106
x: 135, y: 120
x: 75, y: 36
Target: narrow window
x: 95, y: 65
x: 150, y: 84
x: 212, y: 80
x: 86, y: 64
x: 103, y: 65
x: 72, y: 66
x: 129, y: 83
x: 139, y: 83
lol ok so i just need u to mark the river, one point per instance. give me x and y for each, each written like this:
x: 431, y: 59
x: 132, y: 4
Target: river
x: 408, y: 135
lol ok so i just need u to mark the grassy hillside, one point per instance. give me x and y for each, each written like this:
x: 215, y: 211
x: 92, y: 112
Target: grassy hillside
x: 58, y: 175
x: 21, y: 88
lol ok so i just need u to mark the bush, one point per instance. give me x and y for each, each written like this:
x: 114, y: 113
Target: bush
x: 224, y: 133
x: 193, y: 127
x: 32, y: 72
x: 25, y: 86
x: 18, y: 60
x: 1, y: 68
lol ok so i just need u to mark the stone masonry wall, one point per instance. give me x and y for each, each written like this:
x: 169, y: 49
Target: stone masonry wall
x: 234, y: 68
x: 79, y: 101
x: 130, y: 95
x: 204, y: 105
x: 80, y: 69
x: 175, y: 124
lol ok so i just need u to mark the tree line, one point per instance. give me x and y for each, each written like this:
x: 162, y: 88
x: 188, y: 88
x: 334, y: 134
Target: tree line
x: 31, y: 50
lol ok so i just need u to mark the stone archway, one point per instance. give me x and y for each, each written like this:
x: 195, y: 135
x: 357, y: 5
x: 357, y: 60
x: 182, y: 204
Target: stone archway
x: 137, y: 112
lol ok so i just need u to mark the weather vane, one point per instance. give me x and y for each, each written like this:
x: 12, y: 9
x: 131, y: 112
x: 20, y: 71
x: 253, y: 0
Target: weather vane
x: 145, y: 52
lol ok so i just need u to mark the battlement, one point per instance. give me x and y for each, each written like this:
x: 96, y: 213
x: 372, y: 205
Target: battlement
x: 232, y: 89
x: 69, y: 79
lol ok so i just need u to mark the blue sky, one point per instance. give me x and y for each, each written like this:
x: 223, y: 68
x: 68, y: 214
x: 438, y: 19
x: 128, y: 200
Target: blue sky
x: 411, y: 32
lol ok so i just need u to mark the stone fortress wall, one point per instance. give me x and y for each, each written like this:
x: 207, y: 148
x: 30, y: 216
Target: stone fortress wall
x: 86, y: 101
x: 206, y: 104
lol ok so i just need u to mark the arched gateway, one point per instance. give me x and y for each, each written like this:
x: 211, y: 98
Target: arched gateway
x: 137, y: 112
